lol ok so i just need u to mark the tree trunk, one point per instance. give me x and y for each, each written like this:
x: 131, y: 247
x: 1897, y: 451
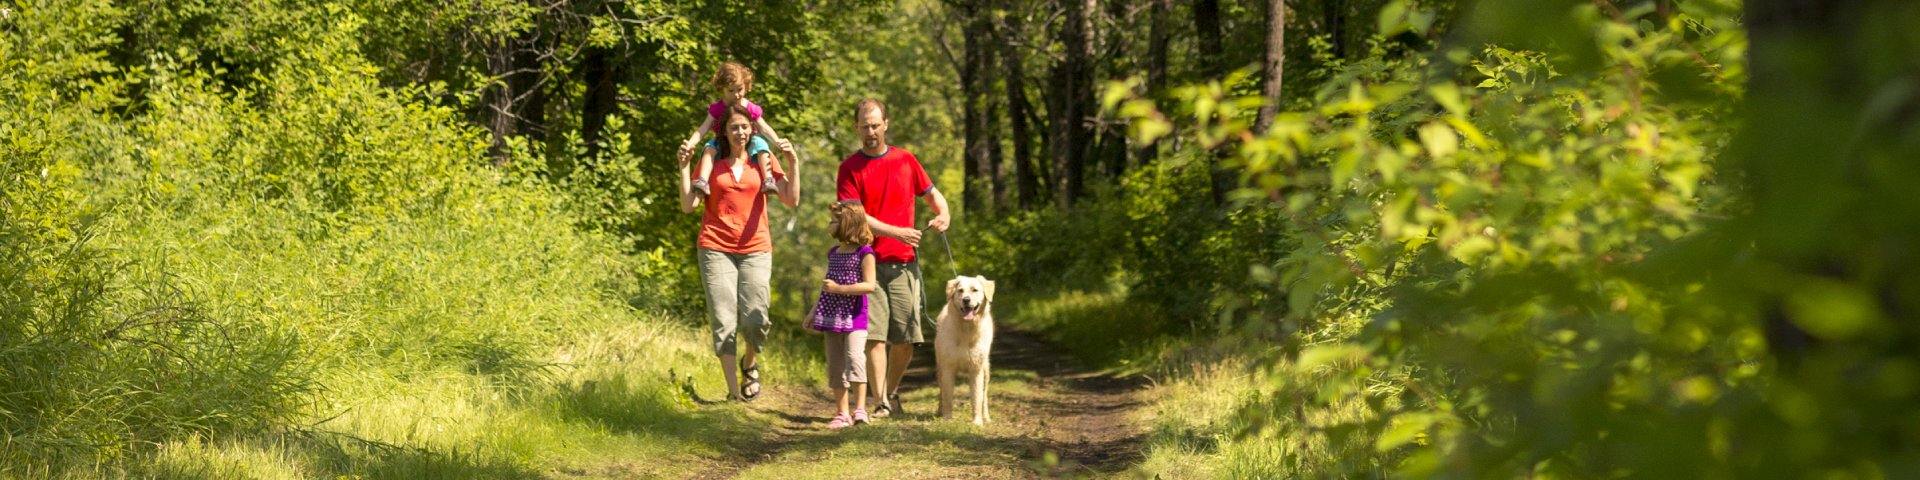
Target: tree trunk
x: 600, y: 72
x: 977, y: 61
x: 1019, y: 112
x: 1275, y: 65
x: 1335, y: 14
x: 1073, y: 95
x: 1213, y: 65
x: 1159, y: 35
x: 1206, y: 23
x: 514, y: 104
x: 1798, y: 74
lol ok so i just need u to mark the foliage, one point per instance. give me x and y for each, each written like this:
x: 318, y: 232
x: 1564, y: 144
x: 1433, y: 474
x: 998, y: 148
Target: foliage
x: 96, y: 351
x: 1520, y: 230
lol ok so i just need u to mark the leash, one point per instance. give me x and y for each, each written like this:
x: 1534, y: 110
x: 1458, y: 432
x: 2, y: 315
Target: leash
x: 952, y: 265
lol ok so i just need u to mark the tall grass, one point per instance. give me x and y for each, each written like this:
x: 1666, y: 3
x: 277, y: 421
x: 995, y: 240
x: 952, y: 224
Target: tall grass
x: 311, y: 275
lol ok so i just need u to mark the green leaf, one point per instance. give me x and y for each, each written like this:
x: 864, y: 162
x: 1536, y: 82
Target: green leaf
x: 1833, y: 310
x: 1440, y: 140
x: 1393, y: 18
x: 1405, y: 428
x: 1448, y: 96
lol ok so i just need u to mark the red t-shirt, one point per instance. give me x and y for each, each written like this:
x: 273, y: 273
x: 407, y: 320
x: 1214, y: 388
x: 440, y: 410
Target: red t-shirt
x: 736, y: 216
x: 885, y: 186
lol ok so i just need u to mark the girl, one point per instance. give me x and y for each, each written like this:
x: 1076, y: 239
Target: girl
x: 842, y: 311
x: 732, y: 82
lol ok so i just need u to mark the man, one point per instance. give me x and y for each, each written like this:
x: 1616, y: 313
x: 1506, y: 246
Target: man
x: 885, y: 180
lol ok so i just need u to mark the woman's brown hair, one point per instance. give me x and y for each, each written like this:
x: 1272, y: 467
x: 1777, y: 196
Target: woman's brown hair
x: 850, y: 224
x: 724, y: 144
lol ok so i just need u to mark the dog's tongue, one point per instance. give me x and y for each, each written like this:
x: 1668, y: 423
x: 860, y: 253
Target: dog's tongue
x: 972, y: 313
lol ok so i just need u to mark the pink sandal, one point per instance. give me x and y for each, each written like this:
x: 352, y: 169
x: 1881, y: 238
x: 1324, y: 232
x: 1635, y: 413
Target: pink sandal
x: 840, y: 421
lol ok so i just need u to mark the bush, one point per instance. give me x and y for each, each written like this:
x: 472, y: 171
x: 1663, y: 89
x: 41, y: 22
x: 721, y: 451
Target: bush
x: 221, y: 256
x: 95, y: 352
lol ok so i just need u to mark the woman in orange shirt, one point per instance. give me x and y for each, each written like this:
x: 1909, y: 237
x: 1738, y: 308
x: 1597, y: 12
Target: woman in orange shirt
x: 736, y: 254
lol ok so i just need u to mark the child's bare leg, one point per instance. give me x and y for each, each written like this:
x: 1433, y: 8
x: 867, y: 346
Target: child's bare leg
x: 766, y: 181
x: 840, y: 398
x: 705, y: 172
x: 877, y: 362
x: 859, y: 396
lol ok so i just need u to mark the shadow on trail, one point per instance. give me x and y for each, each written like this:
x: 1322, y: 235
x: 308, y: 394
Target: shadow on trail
x: 1051, y: 417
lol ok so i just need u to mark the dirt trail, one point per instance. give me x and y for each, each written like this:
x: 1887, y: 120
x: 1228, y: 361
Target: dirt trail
x: 1050, y: 418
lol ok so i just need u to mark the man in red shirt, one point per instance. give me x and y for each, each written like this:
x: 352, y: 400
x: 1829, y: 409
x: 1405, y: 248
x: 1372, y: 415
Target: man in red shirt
x: 885, y: 180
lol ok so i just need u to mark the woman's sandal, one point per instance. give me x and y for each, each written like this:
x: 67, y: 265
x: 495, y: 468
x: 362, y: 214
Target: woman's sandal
x: 750, y: 383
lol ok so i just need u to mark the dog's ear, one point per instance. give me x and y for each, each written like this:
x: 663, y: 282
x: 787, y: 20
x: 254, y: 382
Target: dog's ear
x: 989, y: 287
x: 953, y: 286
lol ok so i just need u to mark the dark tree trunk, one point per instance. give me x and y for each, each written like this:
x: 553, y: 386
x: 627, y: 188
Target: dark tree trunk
x: 1207, y: 36
x: 996, y: 155
x: 601, y: 73
x: 1072, y: 99
x: 1109, y: 138
x: 1275, y: 65
x: 514, y: 105
x: 975, y: 82
x: 1113, y: 152
x: 1335, y: 14
x: 1798, y: 73
x: 1213, y: 64
x: 1019, y: 112
x: 1159, y: 35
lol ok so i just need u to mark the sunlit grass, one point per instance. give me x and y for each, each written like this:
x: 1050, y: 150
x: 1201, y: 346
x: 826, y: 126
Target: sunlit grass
x: 610, y: 410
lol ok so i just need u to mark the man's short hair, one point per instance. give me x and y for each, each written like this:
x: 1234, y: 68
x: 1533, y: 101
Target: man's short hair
x: 867, y: 103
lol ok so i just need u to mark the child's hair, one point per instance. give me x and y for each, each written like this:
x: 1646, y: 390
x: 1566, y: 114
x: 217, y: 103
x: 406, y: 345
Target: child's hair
x: 732, y: 74
x: 851, y: 228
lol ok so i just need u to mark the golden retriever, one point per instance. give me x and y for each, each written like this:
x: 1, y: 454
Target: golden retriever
x: 962, y: 342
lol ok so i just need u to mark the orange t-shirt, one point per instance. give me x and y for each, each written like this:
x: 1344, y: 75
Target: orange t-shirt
x: 736, y: 217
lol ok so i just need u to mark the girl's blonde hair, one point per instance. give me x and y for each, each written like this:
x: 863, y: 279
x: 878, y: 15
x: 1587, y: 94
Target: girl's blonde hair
x: 850, y: 225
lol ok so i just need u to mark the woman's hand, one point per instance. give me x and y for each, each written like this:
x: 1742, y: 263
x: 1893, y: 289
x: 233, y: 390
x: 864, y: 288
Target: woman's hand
x: 827, y: 285
x: 789, y: 188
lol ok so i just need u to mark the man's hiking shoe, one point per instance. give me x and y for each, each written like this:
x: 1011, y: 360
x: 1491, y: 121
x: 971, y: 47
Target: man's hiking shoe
x: 883, y: 411
x: 894, y: 401
x: 770, y: 186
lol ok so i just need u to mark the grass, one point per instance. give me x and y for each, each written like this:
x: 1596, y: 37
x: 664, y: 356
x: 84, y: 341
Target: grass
x: 613, y: 412
x: 915, y: 445
x: 1206, y: 387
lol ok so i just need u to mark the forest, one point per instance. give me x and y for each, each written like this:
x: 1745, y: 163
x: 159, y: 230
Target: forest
x: 1259, y: 239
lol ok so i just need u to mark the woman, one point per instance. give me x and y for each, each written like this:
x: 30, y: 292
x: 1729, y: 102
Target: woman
x: 736, y: 253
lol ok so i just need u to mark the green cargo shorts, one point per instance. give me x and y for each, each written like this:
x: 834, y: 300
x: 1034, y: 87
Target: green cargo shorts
x: 894, y: 310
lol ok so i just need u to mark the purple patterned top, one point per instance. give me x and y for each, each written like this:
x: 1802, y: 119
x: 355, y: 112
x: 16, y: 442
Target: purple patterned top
x: 837, y: 313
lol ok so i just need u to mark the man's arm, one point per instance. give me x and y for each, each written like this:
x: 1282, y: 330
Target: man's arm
x: 940, y: 218
x: 909, y: 235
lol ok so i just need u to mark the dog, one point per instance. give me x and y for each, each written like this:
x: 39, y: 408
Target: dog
x: 963, y: 341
